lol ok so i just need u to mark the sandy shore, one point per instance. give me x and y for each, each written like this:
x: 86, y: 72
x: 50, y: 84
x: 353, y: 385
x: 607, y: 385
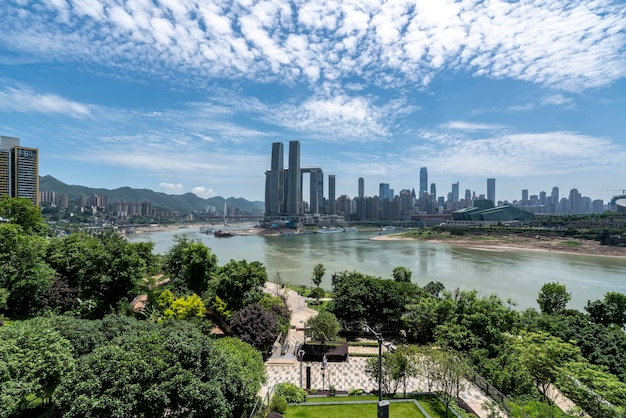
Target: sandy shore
x: 505, y: 243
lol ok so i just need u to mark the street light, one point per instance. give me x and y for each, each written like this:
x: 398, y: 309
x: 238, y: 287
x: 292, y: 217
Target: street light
x: 383, y: 406
x: 300, y: 357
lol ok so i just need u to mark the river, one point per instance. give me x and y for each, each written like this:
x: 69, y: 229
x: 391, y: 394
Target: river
x: 517, y: 275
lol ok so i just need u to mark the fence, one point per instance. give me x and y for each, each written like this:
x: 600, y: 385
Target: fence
x: 490, y: 391
x: 259, y: 403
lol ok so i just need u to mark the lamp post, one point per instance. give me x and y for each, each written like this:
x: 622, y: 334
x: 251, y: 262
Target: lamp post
x: 300, y: 357
x: 383, y: 406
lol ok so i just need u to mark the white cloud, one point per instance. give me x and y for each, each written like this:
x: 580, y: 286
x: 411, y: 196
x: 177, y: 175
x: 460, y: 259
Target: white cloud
x: 569, y: 45
x: 203, y: 192
x: 469, y: 126
x: 172, y: 187
x: 26, y: 100
x: 519, y: 155
x: 557, y: 100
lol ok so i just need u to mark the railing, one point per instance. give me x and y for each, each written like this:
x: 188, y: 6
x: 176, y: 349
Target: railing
x: 259, y: 403
x: 490, y: 390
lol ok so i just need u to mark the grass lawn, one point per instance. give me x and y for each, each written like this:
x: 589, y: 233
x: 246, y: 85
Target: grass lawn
x: 431, y: 404
x: 396, y: 410
x: 318, y: 307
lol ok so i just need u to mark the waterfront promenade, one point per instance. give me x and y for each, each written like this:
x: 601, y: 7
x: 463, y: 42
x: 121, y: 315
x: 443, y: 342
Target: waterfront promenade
x: 344, y: 376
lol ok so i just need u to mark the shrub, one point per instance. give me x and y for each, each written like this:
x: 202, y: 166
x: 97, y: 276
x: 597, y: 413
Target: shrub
x: 291, y: 392
x: 278, y: 404
x: 332, y: 390
x: 355, y: 392
x: 312, y: 391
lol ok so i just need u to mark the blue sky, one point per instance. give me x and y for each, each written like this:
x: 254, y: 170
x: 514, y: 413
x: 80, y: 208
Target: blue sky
x: 188, y: 95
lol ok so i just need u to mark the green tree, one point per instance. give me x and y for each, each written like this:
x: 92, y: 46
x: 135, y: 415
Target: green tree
x: 22, y: 212
x: 244, y: 373
x: 553, y: 297
x: 291, y: 392
x: 190, y: 264
x: 402, y: 274
x: 239, y: 283
x: 318, y: 274
x: 610, y: 310
x: 277, y: 305
x: 542, y: 355
x: 24, y: 274
x: 323, y: 327
x: 34, y: 358
x: 450, y: 368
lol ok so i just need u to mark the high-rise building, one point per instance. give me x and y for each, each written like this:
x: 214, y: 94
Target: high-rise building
x: 491, y: 190
x: 524, y: 196
x: 384, y: 192
x: 275, y: 182
x: 19, y: 170
x: 455, y: 192
x: 433, y: 191
x: 423, y: 180
x: 332, y: 206
x: 294, y: 189
x: 361, y: 187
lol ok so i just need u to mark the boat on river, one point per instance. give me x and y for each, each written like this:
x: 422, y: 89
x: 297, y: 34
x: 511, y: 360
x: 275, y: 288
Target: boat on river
x: 331, y: 230
x: 223, y: 234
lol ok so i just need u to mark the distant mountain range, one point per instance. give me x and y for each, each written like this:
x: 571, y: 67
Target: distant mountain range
x: 184, y: 202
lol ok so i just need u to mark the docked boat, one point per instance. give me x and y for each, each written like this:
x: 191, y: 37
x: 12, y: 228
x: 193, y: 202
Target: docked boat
x: 223, y: 234
x: 207, y: 230
x: 331, y: 230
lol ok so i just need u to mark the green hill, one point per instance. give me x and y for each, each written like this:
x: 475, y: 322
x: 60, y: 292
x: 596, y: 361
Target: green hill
x: 184, y: 203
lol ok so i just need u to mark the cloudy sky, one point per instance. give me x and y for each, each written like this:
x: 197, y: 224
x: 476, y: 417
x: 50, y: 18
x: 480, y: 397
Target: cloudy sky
x: 188, y: 95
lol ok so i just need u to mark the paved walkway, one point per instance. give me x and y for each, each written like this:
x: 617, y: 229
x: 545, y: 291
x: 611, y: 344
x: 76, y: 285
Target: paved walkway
x: 344, y: 376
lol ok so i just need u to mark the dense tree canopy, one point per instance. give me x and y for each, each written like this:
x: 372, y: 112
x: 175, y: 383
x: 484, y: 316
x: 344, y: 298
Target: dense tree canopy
x: 553, y: 297
x: 190, y: 265
x: 323, y: 327
x: 34, y: 359
x: 378, y: 302
x: 24, y: 275
x: 239, y: 283
x: 22, y: 212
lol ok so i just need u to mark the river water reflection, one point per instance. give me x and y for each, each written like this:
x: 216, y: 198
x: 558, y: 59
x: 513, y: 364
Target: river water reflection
x: 518, y: 275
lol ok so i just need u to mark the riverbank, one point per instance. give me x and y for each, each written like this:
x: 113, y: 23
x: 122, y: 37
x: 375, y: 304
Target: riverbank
x: 515, y: 243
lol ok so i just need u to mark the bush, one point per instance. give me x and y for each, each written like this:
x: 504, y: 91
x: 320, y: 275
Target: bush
x: 312, y: 391
x: 355, y: 392
x: 278, y: 404
x: 332, y: 390
x: 291, y: 392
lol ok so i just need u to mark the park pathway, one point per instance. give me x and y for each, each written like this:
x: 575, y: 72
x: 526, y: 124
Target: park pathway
x: 344, y: 376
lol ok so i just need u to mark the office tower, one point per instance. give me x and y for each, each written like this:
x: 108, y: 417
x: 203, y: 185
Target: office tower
x: 294, y: 188
x: 575, y: 202
x: 542, y: 198
x: 433, y: 191
x: 455, y: 192
x: 491, y: 190
x: 384, y: 193
x: 275, y: 184
x: 524, y: 196
x: 468, y: 195
x: 423, y: 180
x: 316, y: 186
x: 21, y: 166
x: 361, y: 188
x: 332, y: 207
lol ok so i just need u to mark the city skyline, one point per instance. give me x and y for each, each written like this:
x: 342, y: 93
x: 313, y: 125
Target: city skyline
x: 188, y: 96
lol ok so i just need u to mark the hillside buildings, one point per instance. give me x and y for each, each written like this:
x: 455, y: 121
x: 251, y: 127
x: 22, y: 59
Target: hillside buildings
x: 19, y: 170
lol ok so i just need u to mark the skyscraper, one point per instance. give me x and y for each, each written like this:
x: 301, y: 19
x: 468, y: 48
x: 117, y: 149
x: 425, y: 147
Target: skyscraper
x: 332, y: 206
x: 275, y: 185
x: 525, y: 197
x: 423, y: 180
x: 491, y: 190
x: 384, y: 193
x: 361, y: 187
x: 433, y: 191
x: 294, y: 189
x: 19, y: 170
x: 455, y: 192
